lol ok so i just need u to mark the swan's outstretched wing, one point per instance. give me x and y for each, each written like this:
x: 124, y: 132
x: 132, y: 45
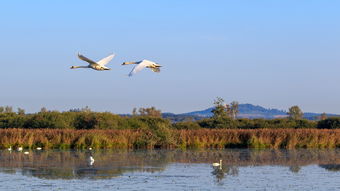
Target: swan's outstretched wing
x: 139, y: 67
x: 81, y: 57
x: 105, y: 60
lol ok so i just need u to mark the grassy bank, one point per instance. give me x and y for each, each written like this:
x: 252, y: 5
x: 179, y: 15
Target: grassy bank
x: 170, y: 138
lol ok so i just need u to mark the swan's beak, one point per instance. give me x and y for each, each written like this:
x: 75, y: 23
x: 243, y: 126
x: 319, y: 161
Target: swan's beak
x: 123, y: 63
x: 72, y: 67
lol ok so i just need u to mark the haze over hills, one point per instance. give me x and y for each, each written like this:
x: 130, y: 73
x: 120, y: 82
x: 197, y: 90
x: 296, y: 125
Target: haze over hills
x: 249, y: 111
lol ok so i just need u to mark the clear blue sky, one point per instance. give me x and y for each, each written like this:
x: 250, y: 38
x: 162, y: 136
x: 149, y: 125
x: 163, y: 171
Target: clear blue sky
x: 270, y: 53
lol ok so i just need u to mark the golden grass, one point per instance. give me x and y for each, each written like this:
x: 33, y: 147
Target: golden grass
x: 201, y: 138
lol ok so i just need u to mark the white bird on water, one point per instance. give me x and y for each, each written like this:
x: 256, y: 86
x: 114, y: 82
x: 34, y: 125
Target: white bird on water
x: 215, y: 164
x: 100, y: 65
x: 143, y: 64
x: 39, y: 148
x: 19, y: 149
x: 10, y: 148
x: 26, y: 152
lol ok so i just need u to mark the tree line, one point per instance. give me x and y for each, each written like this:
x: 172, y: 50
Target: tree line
x: 224, y: 117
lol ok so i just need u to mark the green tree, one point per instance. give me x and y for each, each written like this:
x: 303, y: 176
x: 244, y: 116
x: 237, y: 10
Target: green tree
x: 152, y: 111
x: 220, y: 109
x: 234, y: 109
x: 134, y: 111
x: 8, y: 109
x: 43, y: 110
x: 21, y: 111
x: 329, y: 123
x: 323, y: 116
x: 86, y: 109
x: 295, y: 112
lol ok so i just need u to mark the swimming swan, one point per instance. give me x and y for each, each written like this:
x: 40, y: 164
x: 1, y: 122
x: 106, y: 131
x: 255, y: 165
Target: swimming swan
x: 100, y: 65
x: 217, y: 164
x: 143, y: 64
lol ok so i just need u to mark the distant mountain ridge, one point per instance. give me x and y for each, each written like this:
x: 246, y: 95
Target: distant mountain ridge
x: 251, y: 111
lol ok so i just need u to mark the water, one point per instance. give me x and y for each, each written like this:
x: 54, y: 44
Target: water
x: 242, y: 169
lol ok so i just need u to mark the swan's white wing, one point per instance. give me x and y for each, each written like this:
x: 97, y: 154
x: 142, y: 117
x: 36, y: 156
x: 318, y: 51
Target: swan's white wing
x: 81, y: 57
x: 139, y: 67
x: 105, y: 60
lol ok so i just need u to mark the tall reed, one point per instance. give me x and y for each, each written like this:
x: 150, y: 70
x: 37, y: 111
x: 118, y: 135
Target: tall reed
x: 170, y: 138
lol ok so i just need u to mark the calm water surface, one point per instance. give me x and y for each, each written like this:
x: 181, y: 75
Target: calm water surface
x: 242, y: 169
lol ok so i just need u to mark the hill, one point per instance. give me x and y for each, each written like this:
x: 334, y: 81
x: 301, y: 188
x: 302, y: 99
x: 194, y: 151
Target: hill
x: 249, y: 111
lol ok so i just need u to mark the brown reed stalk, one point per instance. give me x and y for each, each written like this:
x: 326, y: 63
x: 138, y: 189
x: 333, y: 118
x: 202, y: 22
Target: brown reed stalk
x: 198, y: 138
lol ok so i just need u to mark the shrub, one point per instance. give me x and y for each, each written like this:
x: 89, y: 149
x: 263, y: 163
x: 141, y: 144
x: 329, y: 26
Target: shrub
x: 330, y: 123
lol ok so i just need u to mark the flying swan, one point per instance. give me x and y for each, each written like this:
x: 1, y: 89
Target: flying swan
x: 100, y: 65
x: 143, y: 64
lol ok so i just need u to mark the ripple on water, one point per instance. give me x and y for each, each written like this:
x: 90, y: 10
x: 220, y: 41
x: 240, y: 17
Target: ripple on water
x: 172, y: 170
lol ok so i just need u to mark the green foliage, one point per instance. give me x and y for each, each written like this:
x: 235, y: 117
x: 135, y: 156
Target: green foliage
x: 187, y: 125
x: 85, y: 119
x: 219, y: 123
x: 220, y: 110
x: 234, y: 109
x: 152, y: 111
x: 53, y: 120
x: 12, y: 120
x: 228, y: 123
x: 329, y: 123
x: 295, y: 112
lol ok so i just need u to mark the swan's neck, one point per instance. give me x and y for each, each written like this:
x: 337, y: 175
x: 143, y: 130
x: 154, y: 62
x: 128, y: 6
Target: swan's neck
x: 74, y: 67
x: 126, y: 63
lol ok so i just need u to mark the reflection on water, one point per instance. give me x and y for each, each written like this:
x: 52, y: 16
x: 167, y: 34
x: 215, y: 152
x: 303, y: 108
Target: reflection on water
x: 107, y: 164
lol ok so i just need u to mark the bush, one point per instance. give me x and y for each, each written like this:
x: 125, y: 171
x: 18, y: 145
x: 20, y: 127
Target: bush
x: 330, y: 123
x: 186, y: 125
x: 219, y: 123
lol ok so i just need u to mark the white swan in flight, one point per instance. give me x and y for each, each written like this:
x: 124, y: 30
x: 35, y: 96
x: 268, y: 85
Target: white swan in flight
x: 143, y: 64
x: 100, y: 65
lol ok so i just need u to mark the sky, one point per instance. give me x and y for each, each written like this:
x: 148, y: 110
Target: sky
x: 270, y: 53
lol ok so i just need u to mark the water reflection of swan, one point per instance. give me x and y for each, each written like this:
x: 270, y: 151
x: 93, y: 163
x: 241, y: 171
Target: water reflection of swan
x: 90, y: 160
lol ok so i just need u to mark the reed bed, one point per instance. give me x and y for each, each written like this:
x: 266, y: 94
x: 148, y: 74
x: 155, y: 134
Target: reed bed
x: 259, y: 138
x: 170, y: 138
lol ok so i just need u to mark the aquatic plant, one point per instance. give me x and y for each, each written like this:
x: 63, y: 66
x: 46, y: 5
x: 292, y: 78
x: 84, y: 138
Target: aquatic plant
x: 162, y: 137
